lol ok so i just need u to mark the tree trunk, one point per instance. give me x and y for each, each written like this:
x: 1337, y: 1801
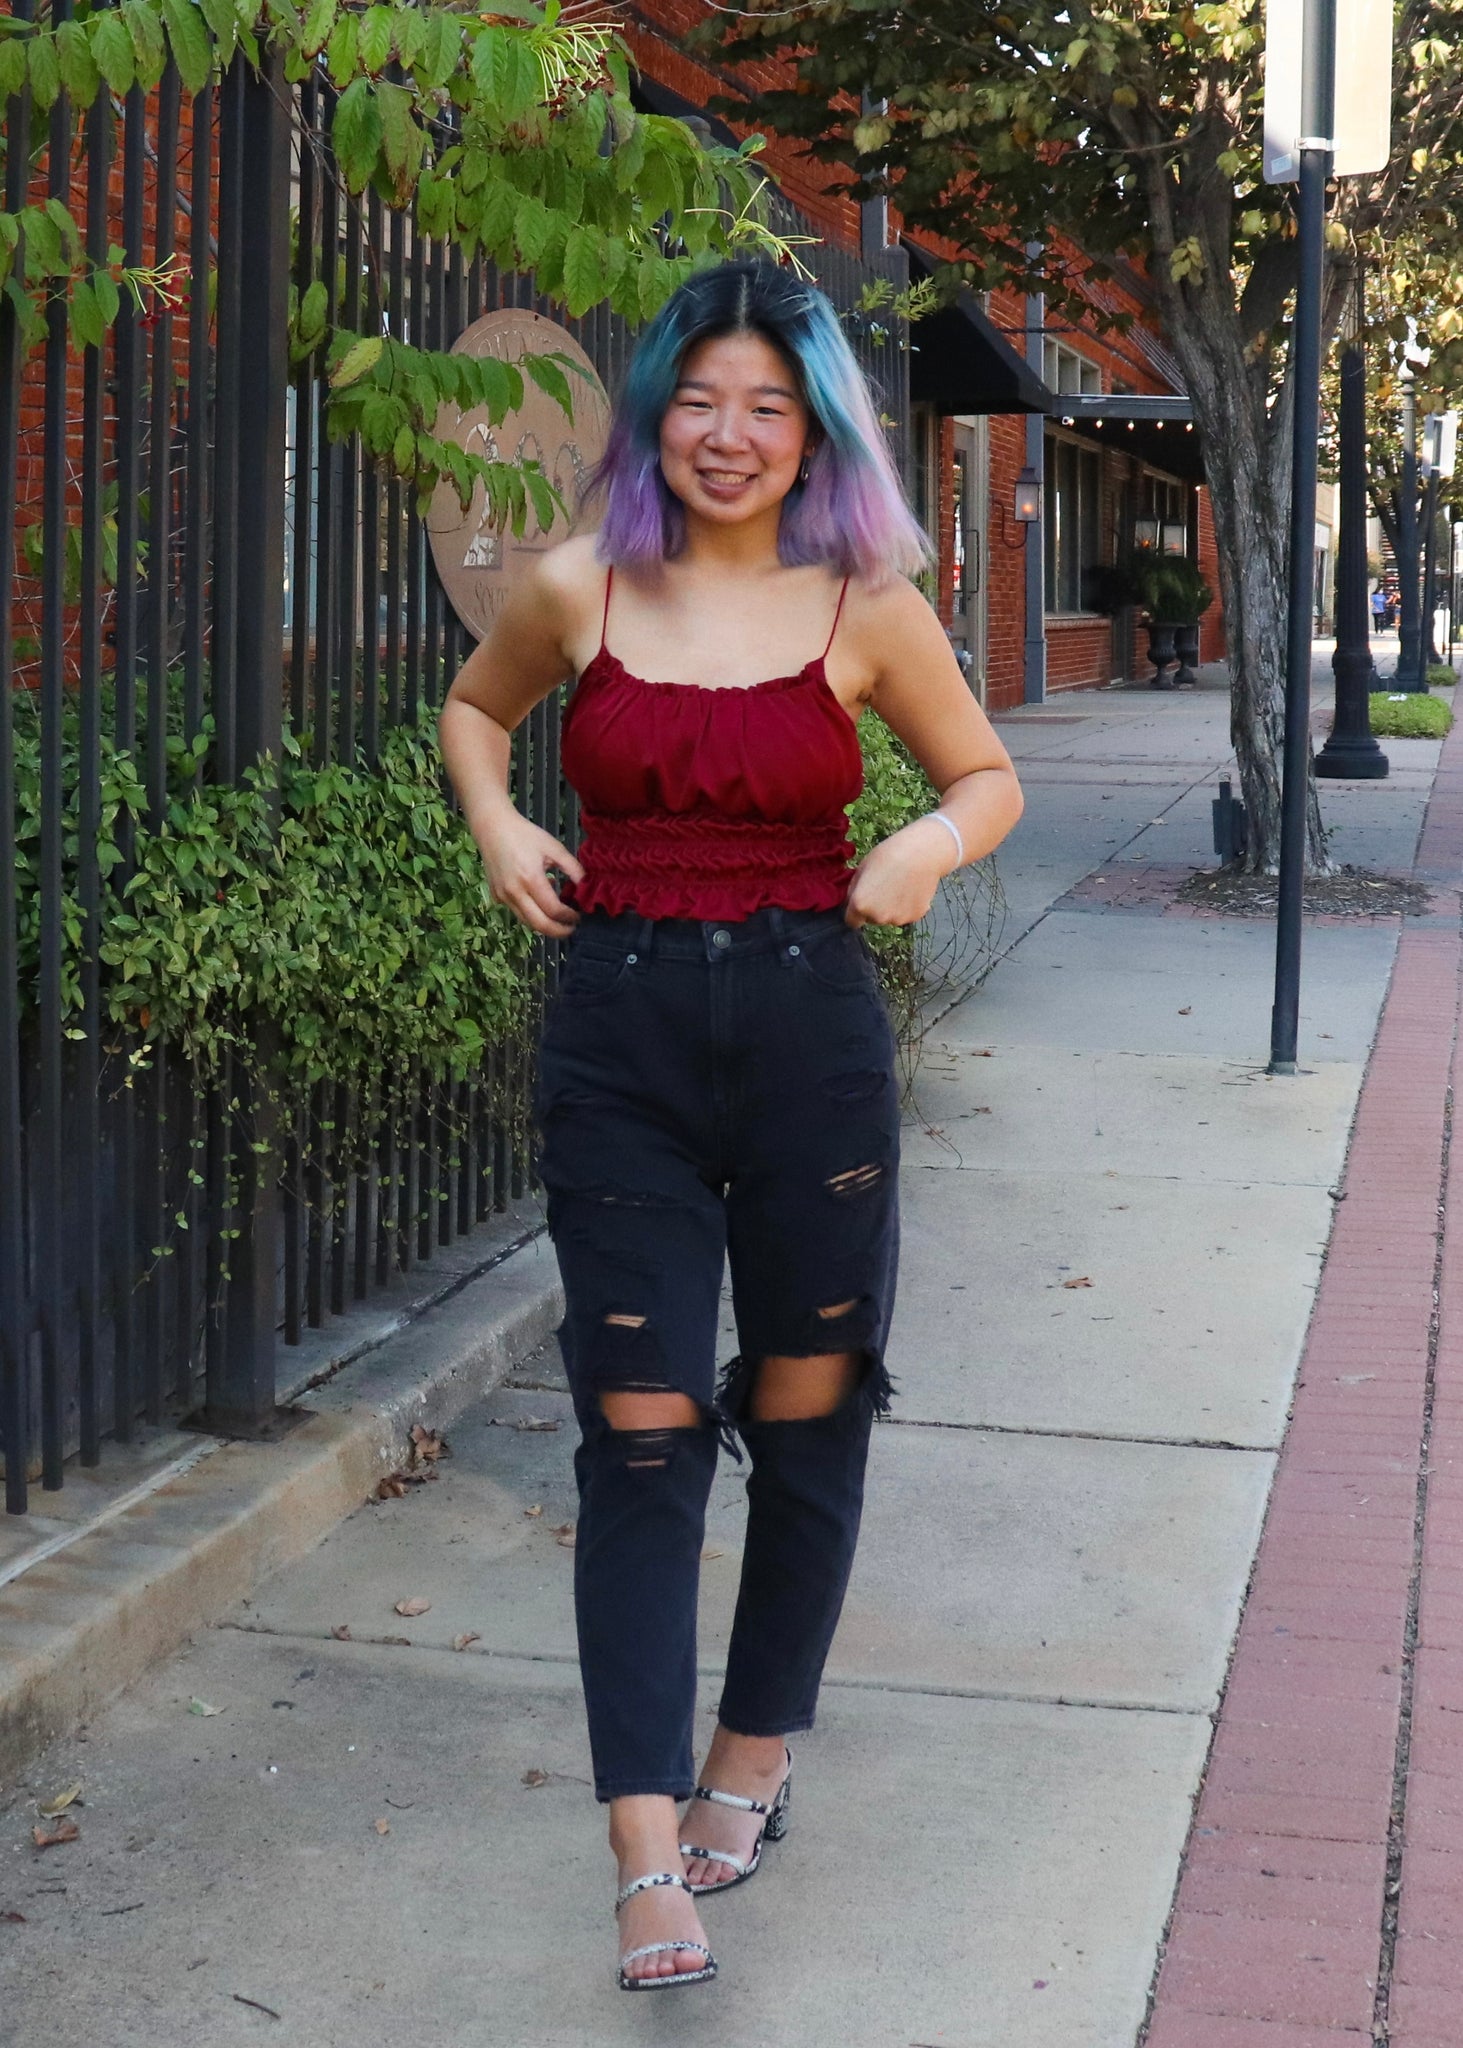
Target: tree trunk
x: 1249, y: 489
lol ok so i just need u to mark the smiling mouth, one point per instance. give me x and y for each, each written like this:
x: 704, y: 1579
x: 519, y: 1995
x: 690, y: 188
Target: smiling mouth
x: 725, y: 477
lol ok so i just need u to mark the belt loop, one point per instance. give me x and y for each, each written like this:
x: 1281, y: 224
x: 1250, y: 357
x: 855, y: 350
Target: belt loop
x: 645, y: 942
x: 777, y: 920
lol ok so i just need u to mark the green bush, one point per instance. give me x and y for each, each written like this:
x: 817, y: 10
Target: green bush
x: 344, y: 905
x: 1413, y: 716
x: 1441, y: 675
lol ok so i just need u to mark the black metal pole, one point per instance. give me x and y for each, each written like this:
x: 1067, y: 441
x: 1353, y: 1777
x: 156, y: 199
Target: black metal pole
x: 1429, y: 636
x: 1317, y: 101
x: 240, y: 1394
x: 1351, y: 753
x: 1408, y: 675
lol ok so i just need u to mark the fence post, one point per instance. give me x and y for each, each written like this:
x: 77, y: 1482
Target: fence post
x: 254, y: 205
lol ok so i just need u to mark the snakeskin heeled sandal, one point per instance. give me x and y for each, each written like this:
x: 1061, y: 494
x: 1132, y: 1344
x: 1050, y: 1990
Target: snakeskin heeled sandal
x: 774, y: 1827
x: 660, y: 1948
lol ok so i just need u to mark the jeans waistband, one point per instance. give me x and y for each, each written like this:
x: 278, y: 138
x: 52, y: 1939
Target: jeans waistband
x: 689, y: 938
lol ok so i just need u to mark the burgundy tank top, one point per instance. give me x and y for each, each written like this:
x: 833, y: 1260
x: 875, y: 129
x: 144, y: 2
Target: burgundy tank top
x: 710, y: 803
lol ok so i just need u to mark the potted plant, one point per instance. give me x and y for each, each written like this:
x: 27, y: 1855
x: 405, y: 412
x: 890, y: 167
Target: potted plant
x: 1175, y: 597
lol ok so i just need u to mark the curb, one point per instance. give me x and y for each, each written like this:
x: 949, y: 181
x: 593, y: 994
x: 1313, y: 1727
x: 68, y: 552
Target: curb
x: 82, y: 1624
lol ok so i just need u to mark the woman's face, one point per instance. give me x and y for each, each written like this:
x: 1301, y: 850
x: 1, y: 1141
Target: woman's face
x: 736, y: 430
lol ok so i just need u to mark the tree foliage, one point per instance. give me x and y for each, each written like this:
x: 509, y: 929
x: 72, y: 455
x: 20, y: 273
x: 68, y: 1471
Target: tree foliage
x: 1101, y: 135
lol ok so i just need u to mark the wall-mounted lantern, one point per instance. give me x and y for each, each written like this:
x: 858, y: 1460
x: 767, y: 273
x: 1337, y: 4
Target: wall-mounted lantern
x: 1028, y: 497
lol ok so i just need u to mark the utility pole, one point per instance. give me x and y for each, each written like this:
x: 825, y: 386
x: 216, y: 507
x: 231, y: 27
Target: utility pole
x: 1351, y: 753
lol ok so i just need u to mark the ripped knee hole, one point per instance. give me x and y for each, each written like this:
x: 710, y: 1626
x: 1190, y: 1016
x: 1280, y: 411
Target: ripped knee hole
x: 854, y: 1180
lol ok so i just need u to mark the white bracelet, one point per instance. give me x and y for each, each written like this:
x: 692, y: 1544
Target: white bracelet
x: 954, y: 830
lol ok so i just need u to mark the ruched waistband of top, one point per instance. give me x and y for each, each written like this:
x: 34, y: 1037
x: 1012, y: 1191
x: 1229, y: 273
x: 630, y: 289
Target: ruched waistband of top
x: 694, y: 864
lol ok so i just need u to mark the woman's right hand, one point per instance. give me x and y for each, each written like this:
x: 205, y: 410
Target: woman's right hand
x: 518, y: 856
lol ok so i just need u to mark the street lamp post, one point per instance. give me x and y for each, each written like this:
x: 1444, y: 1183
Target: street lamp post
x: 1409, y: 675
x: 1351, y: 753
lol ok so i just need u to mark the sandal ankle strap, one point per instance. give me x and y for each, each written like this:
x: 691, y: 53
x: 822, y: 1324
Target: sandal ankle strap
x: 645, y: 1884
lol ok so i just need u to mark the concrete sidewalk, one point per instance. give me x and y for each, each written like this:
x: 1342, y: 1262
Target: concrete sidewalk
x: 323, y: 1821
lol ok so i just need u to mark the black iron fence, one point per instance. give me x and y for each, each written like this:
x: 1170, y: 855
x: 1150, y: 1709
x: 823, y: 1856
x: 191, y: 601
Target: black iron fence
x: 184, y: 552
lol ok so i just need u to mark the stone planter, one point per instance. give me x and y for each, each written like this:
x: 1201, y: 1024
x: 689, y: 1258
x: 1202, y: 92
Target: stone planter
x: 1186, y: 647
x: 1161, y: 653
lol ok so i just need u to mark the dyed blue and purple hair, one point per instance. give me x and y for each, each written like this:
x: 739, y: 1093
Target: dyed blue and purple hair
x: 849, y: 513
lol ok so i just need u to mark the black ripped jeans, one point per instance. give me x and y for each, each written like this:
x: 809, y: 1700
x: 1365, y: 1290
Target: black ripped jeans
x: 714, y: 1092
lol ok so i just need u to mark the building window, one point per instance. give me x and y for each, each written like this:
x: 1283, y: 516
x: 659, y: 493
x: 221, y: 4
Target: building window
x: 1065, y: 370
x: 1073, y: 522
x: 924, y: 439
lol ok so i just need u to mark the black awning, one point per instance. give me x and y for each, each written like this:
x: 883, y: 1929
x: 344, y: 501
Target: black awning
x: 1165, y: 440
x: 959, y: 360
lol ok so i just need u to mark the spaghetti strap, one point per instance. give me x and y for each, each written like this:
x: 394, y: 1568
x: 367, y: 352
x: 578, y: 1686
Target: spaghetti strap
x: 836, y: 617
x: 604, y: 624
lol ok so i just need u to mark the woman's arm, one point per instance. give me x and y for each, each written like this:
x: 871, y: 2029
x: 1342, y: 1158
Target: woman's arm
x: 921, y: 695
x: 523, y: 658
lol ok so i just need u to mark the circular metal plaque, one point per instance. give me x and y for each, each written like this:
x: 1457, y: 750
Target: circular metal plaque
x: 477, y: 564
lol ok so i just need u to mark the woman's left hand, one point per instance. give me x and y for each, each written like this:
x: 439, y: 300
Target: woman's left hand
x: 896, y: 883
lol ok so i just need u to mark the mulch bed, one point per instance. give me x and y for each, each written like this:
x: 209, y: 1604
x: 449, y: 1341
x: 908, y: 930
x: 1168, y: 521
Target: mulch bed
x: 1351, y: 892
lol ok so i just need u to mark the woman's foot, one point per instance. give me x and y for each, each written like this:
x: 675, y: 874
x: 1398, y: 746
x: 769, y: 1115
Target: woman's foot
x: 644, y: 1839
x: 752, y: 1767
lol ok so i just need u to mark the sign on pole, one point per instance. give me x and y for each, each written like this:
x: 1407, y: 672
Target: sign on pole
x: 1362, y: 141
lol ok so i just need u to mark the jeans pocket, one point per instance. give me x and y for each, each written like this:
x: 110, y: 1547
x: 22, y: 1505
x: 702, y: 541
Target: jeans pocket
x: 591, y: 977
x: 838, y: 960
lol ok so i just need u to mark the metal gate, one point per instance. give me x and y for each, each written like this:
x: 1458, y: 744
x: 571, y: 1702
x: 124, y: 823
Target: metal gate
x: 180, y: 542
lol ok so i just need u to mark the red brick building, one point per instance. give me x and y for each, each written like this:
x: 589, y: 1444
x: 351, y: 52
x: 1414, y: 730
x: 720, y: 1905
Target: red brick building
x: 1098, y: 417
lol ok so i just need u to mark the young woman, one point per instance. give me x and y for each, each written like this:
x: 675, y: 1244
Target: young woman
x: 717, y: 1074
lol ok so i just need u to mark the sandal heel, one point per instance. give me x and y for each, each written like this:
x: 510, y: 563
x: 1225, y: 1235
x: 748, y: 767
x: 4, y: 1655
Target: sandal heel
x: 778, y: 1819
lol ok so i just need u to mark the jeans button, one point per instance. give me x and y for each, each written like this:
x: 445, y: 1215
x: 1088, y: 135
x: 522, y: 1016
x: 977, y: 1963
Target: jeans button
x: 721, y: 938
x: 793, y: 952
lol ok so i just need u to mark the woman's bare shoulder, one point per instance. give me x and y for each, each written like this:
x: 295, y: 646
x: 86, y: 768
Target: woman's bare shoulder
x: 885, y: 614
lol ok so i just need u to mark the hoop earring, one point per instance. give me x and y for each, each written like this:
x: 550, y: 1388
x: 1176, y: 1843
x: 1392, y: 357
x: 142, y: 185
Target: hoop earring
x: 806, y: 469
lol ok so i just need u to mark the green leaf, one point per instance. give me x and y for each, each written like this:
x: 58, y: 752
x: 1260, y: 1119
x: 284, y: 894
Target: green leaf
x: 402, y: 139
x: 340, y: 54
x: 532, y: 226
x: 357, y: 361
x: 12, y: 67
x: 112, y: 47
x: 374, y: 42
x: 147, y: 41
x: 319, y: 22
x: 78, y: 67
x: 541, y: 492
x: 549, y: 378
x: 45, y: 72
x: 223, y: 21
x: 88, y: 328
x: 192, y: 47
x: 356, y: 132
x: 496, y: 214
x: 584, y: 283
x: 108, y: 296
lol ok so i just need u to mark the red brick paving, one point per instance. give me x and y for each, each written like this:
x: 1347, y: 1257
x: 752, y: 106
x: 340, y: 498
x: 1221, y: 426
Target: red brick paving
x: 1277, y: 1937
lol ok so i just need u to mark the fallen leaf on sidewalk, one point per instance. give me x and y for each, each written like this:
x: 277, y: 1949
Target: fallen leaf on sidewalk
x: 427, y: 1445
x: 1187, y: 1010
x: 64, y: 1831
x: 49, y: 1808
x: 1083, y: 1281
x: 536, y: 1422
x: 196, y: 1706
x: 564, y: 1535
x: 468, y: 1636
x: 17, y: 1919
x: 533, y: 1779
x: 341, y: 1632
x: 383, y: 1826
x: 713, y: 1553
x: 416, y: 1605
x: 534, y: 1512
x: 396, y: 1642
